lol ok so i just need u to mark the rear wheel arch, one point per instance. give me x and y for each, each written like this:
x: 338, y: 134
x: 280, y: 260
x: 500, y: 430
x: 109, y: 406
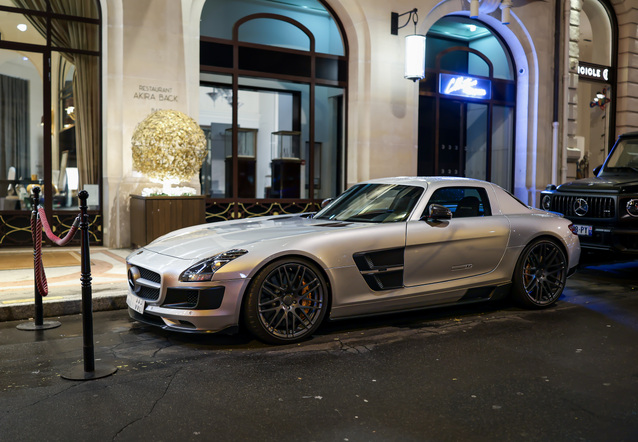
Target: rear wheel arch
x: 540, y: 273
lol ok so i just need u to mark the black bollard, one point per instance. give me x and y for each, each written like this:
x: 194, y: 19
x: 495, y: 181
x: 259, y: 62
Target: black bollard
x: 89, y: 371
x: 38, y: 319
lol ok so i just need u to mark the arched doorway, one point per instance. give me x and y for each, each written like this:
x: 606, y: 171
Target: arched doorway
x: 466, y: 103
x: 596, y: 89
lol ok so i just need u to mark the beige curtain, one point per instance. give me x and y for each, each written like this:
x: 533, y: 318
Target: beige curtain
x: 84, y: 36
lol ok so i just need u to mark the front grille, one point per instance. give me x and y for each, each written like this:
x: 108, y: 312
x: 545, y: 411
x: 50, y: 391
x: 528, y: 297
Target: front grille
x: 181, y: 298
x: 148, y: 293
x: 598, y: 206
x: 150, y: 275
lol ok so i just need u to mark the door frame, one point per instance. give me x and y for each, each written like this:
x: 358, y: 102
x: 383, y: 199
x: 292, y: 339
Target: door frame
x: 503, y: 94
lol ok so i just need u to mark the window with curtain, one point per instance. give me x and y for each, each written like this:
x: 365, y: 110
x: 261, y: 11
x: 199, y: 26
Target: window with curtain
x: 55, y: 140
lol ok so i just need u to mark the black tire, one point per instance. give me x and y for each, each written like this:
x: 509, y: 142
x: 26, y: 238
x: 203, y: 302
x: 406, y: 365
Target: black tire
x: 540, y: 274
x: 286, y: 301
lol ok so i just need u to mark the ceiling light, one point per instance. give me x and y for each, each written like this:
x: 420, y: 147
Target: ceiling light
x: 22, y: 27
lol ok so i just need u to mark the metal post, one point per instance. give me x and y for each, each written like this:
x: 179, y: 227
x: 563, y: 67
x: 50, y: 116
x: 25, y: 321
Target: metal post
x: 85, y: 279
x: 38, y: 318
x: 90, y: 371
x: 39, y: 312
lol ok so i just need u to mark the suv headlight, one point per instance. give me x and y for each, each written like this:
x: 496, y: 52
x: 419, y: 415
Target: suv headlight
x: 205, y: 269
x: 632, y: 207
x: 546, y: 202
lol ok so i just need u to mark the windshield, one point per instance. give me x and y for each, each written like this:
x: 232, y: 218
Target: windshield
x: 624, y: 157
x: 373, y: 203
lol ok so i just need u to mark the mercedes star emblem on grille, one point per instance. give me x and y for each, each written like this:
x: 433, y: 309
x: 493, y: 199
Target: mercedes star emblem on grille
x: 133, y: 276
x: 581, y: 207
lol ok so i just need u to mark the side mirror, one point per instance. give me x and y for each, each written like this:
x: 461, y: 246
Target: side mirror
x: 596, y: 170
x: 326, y: 202
x: 437, y: 212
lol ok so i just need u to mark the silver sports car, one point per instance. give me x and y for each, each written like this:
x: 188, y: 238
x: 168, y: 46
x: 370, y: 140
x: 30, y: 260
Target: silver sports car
x: 384, y: 245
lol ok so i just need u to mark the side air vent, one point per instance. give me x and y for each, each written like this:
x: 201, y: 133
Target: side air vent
x: 382, y: 270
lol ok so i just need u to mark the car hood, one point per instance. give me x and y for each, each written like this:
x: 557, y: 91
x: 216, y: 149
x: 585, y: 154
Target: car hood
x: 206, y: 240
x: 605, y: 183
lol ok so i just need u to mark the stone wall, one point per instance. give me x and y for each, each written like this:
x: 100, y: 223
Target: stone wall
x: 627, y: 88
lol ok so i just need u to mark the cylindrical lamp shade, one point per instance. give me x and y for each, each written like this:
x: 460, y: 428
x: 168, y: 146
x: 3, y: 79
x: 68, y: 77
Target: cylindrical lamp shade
x: 505, y: 16
x: 474, y: 8
x: 414, y: 57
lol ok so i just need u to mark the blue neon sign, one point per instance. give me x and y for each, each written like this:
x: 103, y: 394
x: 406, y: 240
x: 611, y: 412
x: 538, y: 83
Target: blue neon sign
x: 463, y: 86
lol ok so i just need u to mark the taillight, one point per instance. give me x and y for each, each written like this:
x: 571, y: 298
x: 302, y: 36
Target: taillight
x: 573, y: 228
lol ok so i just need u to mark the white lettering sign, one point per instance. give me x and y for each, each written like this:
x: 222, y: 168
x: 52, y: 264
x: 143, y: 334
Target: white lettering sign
x: 593, y: 72
x: 155, y: 93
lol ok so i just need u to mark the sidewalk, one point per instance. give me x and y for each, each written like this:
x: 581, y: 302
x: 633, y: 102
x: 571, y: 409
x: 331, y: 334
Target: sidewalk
x: 108, y: 284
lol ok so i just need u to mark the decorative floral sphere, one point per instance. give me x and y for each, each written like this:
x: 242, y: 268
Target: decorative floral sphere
x: 168, y: 145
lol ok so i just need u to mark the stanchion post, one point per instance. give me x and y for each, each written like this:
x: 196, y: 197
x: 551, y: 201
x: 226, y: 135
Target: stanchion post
x: 85, y: 279
x: 38, y: 319
x: 90, y: 371
x: 39, y: 311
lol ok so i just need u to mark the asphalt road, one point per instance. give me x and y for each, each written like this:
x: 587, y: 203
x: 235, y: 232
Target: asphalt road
x: 481, y: 373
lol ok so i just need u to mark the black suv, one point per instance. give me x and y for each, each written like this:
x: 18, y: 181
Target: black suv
x: 604, y: 209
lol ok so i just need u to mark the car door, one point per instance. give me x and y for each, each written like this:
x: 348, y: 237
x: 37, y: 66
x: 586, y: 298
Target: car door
x: 471, y: 243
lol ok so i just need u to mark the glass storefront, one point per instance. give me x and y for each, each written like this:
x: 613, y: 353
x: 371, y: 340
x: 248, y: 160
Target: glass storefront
x: 49, y: 113
x: 272, y: 97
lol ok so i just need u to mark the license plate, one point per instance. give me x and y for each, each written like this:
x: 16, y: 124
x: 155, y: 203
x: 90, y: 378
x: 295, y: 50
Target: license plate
x: 583, y: 230
x: 135, y: 303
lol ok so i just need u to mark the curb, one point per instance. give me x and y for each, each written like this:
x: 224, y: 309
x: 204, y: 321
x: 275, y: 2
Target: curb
x: 61, y: 308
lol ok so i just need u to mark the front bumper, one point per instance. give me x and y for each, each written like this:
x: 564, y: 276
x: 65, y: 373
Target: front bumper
x: 610, y: 239
x: 157, y: 297
x: 179, y: 317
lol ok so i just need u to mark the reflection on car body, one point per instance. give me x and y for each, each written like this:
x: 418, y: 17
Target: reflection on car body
x: 384, y: 245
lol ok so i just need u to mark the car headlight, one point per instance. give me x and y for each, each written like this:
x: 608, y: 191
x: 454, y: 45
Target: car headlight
x: 546, y: 202
x: 632, y: 207
x: 205, y: 269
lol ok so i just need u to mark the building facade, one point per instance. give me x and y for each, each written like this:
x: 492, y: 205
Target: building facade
x: 301, y: 99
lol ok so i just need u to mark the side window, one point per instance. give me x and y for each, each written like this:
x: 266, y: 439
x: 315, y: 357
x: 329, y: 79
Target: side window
x: 463, y: 202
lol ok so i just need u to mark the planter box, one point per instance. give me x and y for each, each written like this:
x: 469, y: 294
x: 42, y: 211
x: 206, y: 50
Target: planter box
x: 154, y: 216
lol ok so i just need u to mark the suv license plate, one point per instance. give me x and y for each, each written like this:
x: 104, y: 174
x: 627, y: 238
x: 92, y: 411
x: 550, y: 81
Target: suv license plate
x: 135, y: 303
x: 583, y: 230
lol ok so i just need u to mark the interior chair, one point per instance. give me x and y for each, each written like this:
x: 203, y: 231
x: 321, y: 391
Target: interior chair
x: 468, y: 206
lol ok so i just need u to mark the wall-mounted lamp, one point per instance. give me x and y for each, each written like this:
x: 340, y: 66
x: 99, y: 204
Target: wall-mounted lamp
x: 414, y: 46
x: 506, y: 5
x: 474, y: 8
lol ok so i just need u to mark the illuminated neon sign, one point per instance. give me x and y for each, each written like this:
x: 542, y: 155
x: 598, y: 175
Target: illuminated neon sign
x: 460, y: 86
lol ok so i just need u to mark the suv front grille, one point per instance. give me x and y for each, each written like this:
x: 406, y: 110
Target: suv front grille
x: 598, y: 206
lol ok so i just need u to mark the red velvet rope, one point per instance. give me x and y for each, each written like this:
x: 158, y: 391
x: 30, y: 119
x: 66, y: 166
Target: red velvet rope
x: 51, y: 235
x: 38, y: 221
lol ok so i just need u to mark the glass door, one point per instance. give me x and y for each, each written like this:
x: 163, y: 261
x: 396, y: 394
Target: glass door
x: 463, y: 140
x: 450, y: 158
x: 476, y: 145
